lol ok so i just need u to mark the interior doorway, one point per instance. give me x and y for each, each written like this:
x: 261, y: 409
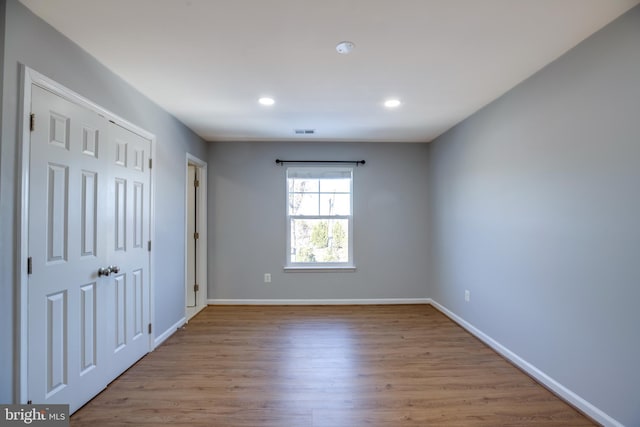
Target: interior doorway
x: 196, y: 237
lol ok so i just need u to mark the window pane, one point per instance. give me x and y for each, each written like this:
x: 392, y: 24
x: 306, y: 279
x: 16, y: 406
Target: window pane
x: 316, y: 240
x: 303, y: 204
x: 335, y: 186
x: 335, y: 204
x: 303, y: 185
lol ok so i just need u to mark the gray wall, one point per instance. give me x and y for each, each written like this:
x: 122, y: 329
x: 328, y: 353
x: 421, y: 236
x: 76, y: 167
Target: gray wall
x: 247, y: 222
x: 536, y: 208
x: 30, y: 41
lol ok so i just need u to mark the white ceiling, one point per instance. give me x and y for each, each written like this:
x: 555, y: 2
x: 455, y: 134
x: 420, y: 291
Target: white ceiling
x: 208, y: 61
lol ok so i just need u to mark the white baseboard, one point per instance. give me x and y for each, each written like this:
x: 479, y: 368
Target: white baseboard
x: 372, y: 301
x: 581, y: 404
x: 166, y: 334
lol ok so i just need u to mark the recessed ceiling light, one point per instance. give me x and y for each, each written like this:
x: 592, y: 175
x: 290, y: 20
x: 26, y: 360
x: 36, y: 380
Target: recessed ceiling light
x: 345, y: 47
x: 266, y: 101
x: 392, y: 103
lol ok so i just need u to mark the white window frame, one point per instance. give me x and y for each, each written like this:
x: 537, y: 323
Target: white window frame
x: 291, y: 265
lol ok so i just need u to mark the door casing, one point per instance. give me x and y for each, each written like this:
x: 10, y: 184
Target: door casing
x: 31, y: 77
x: 202, y: 227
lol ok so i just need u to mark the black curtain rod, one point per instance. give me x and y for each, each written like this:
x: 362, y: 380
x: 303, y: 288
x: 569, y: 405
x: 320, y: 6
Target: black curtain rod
x: 356, y: 162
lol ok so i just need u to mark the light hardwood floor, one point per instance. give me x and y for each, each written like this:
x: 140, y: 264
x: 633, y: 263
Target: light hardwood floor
x: 325, y: 366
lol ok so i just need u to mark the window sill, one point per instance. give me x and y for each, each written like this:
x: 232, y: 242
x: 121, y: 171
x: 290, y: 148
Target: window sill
x: 328, y: 269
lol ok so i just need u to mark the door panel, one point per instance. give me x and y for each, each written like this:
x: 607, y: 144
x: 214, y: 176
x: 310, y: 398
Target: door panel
x: 57, y: 354
x: 138, y: 311
x: 89, y: 213
x: 120, y: 200
x: 89, y: 208
x: 66, y: 362
x: 88, y: 338
x: 58, y: 190
x: 138, y: 219
x: 127, y: 244
x: 119, y: 320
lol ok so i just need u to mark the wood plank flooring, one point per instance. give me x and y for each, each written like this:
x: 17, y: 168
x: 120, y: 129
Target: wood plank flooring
x: 325, y: 366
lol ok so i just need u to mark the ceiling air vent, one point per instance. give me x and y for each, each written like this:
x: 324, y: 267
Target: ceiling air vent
x: 304, y: 131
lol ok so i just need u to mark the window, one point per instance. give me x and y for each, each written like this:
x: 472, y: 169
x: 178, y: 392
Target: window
x: 320, y: 217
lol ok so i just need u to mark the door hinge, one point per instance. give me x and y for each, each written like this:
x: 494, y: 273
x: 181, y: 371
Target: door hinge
x: 196, y: 183
x: 196, y: 236
x: 29, y: 265
x: 32, y: 122
x: 149, y: 245
x: 150, y: 163
x: 196, y: 287
x: 149, y: 327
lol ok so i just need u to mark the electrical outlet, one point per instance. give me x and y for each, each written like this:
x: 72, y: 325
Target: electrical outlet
x: 467, y: 295
x: 267, y: 277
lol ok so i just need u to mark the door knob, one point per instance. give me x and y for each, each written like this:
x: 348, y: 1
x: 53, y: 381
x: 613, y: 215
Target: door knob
x: 114, y: 269
x: 104, y: 271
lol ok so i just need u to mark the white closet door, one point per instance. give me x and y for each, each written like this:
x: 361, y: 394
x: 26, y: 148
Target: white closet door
x: 67, y: 245
x: 89, y: 210
x: 127, y: 240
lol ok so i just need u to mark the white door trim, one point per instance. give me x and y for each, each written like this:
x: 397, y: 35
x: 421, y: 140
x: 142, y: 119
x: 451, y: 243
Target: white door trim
x: 31, y: 77
x: 202, y: 223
